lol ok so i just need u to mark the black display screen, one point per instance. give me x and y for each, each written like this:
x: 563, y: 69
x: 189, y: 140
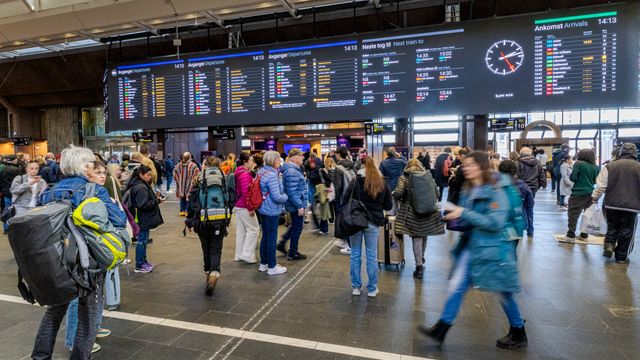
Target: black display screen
x: 507, y: 124
x: 583, y: 58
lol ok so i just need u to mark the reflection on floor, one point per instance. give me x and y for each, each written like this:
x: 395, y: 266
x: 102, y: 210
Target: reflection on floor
x: 577, y: 305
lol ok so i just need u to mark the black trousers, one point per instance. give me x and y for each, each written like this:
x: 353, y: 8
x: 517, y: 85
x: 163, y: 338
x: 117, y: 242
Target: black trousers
x: 85, y: 336
x: 211, y: 241
x: 577, y: 204
x: 621, y: 226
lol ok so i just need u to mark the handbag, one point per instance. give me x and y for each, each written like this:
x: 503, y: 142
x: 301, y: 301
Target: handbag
x: 354, y: 216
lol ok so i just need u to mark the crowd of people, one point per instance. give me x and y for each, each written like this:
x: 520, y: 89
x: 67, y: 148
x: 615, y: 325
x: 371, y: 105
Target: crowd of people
x: 488, y: 209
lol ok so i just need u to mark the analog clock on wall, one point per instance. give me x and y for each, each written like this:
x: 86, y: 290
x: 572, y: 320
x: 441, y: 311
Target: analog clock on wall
x: 504, y: 57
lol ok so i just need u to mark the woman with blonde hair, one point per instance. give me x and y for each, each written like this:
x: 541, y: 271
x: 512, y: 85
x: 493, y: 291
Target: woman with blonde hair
x: 408, y: 221
x: 229, y: 165
x: 375, y: 194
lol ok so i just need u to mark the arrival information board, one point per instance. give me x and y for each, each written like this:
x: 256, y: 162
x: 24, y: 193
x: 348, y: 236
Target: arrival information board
x: 585, y: 58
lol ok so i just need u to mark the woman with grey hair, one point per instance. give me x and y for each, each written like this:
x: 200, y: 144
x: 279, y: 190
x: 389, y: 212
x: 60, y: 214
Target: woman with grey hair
x: 76, y: 165
x: 272, y: 206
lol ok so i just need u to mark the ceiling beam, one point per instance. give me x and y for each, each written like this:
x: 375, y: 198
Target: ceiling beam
x: 28, y: 6
x: 216, y: 20
x: 290, y: 8
x: 86, y: 35
x: 48, y: 47
x: 146, y: 27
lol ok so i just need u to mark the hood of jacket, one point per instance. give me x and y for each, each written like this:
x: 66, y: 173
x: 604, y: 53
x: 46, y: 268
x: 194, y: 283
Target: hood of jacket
x: 415, y: 170
x: 348, y: 164
x: 628, y: 151
x: 135, y: 181
x: 528, y: 160
x: 289, y: 166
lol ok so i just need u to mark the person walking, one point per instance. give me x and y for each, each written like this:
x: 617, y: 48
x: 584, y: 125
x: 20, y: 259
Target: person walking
x: 371, y: 188
x: 247, y: 226
x: 583, y: 176
x: 168, y: 171
x: 483, y: 258
x: 392, y: 167
x: 408, y: 222
x: 530, y: 171
x: 441, y: 170
x: 272, y: 206
x: 143, y: 205
x: 526, y: 196
x: 295, y: 187
x: 26, y: 189
x: 183, y: 175
x: 621, y: 205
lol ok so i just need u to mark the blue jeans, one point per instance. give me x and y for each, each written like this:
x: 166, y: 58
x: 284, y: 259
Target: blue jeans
x: 169, y: 181
x: 141, y: 248
x: 112, y: 287
x: 183, y: 204
x: 269, y: 238
x: 7, y: 203
x: 294, y: 232
x: 558, y: 180
x: 458, y: 287
x: 529, y: 215
x: 324, y: 226
x: 370, y: 236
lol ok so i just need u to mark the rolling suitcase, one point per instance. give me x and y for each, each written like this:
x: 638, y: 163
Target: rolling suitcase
x: 390, y: 246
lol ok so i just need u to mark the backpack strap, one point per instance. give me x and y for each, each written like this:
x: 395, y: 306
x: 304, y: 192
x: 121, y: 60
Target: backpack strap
x: 89, y: 190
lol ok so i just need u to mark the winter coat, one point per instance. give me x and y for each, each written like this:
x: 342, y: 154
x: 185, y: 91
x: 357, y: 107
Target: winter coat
x: 244, y: 177
x: 183, y: 175
x: 295, y: 187
x: 391, y: 169
x: 73, y: 187
x: 584, y: 176
x: 50, y: 172
x: 441, y: 180
x: 493, y: 264
x: 455, y: 186
x: 272, y: 191
x: 557, y: 159
x: 144, y: 160
x: 530, y: 171
x: 374, y: 206
x: 407, y: 221
x: 168, y: 167
x: 8, y: 173
x: 144, y: 204
x: 22, y: 191
x: 426, y: 161
x: 619, y: 181
x: 528, y: 201
x: 158, y: 166
x: 338, y: 183
x: 566, y: 184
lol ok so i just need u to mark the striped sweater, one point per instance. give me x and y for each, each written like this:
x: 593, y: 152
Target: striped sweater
x: 183, y: 175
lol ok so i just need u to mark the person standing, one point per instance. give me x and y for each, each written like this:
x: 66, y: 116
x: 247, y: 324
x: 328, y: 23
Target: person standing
x: 168, y: 171
x: 9, y: 172
x: 483, y: 257
x: 26, y: 189
x: 143, y: 205
x: 295, y: 187
x: 426, y: 161
x: 441, y: 170
x: 392, y: 167
x: 557, y: 159
x: 565, y: 182
x: 408, y: 222
x: 229, y: 165
x: 246, y: 220
x: 50, y: 172
x: 270, y: 210
x: 542, y: 158
x: 621, y: 205
x: 374, y: 192
x: 530, y: 171
x: 345, y: 173
x: 183, y: 175
x: 583, y: 176
x: 321, y: 182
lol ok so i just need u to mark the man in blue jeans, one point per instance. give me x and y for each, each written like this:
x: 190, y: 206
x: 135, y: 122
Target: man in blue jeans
x: 295, y: 187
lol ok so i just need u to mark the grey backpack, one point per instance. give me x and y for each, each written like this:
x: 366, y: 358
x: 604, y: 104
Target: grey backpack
x: 422, y: 194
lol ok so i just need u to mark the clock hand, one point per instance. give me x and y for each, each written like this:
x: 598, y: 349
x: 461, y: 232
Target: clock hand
x: 511, y: 67
x: 515, y: 53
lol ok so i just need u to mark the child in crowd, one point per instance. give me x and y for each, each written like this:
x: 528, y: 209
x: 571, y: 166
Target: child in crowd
x: 565, y: 183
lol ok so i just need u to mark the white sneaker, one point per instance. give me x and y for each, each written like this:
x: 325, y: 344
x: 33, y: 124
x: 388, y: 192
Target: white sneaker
x: 345, y: 251
x: 263, y: 267
x: 356, y: 291
x: 373, y: 293
x: 341, y: 243
x: 277, y: 270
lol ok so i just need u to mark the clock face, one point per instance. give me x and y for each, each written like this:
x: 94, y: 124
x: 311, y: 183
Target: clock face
x: 504, y: 57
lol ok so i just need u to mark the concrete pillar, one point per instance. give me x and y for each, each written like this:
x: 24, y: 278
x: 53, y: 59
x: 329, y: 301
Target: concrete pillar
x: 477, y: 132
x: 161, y: 140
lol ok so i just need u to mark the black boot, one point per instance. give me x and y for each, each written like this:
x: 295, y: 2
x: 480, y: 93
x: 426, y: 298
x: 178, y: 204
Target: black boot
x: 516, y: 338
x: 419, y: 272
x: 437, y: 332
x: 608, y: 250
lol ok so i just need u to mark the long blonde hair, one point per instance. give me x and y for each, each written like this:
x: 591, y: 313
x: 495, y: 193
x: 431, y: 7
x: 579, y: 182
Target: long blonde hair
x: 373, y: 181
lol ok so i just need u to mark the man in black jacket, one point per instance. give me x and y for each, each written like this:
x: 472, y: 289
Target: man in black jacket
x: 345, y: 170
x: 8, y: 173
x: 619, y: 181
x: 530, y: 171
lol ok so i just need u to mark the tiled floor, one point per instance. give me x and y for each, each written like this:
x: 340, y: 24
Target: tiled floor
x: 577, y: 305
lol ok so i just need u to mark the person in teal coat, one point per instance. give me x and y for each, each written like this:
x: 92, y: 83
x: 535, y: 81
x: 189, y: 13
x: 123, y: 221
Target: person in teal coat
x: 484, y: 257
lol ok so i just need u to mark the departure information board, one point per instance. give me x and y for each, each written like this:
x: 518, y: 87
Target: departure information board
x: 583, y: 58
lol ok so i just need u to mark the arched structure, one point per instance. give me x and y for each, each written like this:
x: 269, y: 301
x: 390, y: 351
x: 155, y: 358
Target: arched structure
x: 557, y: 140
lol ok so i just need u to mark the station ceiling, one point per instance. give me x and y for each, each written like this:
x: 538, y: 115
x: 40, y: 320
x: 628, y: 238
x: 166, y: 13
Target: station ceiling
x: 54, y: 52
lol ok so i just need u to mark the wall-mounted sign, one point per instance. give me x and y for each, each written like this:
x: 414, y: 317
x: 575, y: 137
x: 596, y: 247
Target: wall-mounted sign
x: 142, y: 137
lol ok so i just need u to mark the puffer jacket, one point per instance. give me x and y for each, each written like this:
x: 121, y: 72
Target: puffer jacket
x: 273, y: 191
x: 530, y: 171
x: 144, y: 204
x: 493, y: 259
x: 294, y: 186
x: 244, y: 177
x: 407, y: 221
x: 391, y: 169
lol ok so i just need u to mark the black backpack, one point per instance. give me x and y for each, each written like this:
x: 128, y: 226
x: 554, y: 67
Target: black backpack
x: 422, y: 193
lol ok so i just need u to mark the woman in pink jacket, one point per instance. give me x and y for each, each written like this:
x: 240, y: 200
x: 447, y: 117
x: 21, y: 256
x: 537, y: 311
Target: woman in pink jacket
x: 246, y: 217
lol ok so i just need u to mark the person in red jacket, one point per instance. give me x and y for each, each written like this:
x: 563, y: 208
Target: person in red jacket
x: 246, y: 219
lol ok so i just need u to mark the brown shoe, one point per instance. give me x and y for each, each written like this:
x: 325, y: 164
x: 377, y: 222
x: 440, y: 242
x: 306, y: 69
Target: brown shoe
x: 212, y: 280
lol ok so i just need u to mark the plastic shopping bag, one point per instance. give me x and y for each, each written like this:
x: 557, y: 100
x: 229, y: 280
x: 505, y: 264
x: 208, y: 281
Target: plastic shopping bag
x: 593, y: 221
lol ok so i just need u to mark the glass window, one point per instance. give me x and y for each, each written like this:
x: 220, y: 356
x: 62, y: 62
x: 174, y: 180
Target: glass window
x: 435, y: 118
x: 607, y: 143
x: 535, y: 116
x: 452, y: 137
x: 630, y: 115
x: 436, y: 126
x: 549, y: 134
x: 534, y: 134
x: 608, y: 115
x: 588, y: 133
x: 555, y: 117
x: 515, y: 135
x: 585, y: 144
x: 571, y: 134
x: 571, y: 117
x: 246, y: 143
x: 590, y: 116
x: 629, y: 132
x: 388, y: 120
x: 389, y: 139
